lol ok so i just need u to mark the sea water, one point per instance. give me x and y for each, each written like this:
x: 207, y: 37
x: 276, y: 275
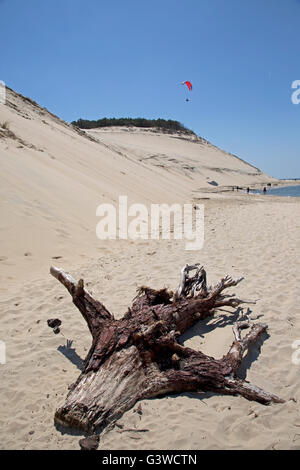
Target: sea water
x: 293, y: 191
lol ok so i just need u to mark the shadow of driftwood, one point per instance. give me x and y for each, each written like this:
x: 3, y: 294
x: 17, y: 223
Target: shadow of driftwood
x: 204, y: 327
x: 71, y: 354
x: 251, y: 356
x: 70, y: 431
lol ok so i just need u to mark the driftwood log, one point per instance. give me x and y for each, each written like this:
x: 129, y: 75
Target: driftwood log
x: 139, y: 356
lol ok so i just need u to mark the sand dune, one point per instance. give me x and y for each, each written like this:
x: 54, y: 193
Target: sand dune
x: 52, y: 179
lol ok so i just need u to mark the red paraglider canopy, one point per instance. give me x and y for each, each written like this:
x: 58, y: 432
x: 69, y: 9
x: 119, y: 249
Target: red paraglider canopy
x: 188, y: 84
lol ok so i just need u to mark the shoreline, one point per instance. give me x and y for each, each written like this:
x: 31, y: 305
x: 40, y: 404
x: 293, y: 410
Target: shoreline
x: 255, y: 186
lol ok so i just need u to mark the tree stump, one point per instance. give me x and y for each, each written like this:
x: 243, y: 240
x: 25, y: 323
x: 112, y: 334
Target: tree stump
x: 139, y: 356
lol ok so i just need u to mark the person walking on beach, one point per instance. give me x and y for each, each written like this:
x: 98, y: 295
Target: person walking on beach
x: 264, y: 190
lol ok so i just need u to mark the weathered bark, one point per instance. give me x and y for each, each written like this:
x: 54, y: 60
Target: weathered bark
x: 139, y: 356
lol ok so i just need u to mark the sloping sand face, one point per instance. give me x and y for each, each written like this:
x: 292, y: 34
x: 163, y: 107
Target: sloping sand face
x: 53, y: 177
x: 52, y: 180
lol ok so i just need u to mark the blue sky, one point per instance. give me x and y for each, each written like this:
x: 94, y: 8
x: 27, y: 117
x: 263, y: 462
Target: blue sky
x: 122, y: 58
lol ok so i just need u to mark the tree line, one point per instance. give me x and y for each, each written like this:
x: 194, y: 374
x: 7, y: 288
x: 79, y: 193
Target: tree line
x: 135, y: 122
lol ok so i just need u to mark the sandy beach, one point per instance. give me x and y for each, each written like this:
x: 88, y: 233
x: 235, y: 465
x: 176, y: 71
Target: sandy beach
x: 52, y: 180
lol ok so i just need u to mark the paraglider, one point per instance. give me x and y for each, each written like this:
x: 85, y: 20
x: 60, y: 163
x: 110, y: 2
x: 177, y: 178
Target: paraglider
x: 189, y: 85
